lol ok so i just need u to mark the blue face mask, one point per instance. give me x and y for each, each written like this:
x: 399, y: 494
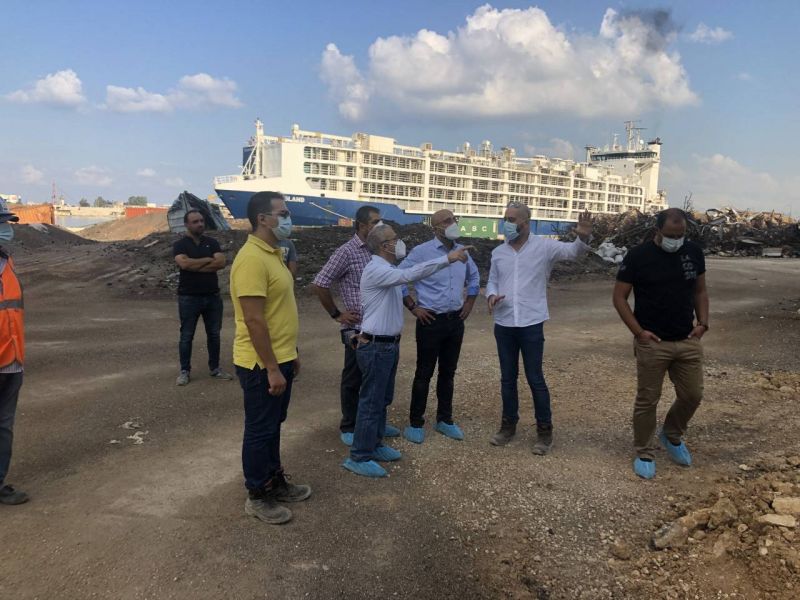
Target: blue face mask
x: 284, y: 228
x: 6, y: 232
x: 510, y: 231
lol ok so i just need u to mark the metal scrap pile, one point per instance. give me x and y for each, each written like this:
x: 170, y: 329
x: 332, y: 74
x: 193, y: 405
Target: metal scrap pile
x: 726, y: 232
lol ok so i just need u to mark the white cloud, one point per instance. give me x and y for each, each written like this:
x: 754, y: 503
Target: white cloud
x: 557, y: 148
x: 31, y: 175
x: 744, y: 76
x: 719, y: 180
x: 146, y: 172
x: 63, y: 88
x: 706, y: 35
x: 93, y: 176
x: 192, y: 91
x: 174, y: 182
x: 512, y: 63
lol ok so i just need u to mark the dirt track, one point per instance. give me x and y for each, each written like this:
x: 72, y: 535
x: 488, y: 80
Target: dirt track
x: 164, y: 519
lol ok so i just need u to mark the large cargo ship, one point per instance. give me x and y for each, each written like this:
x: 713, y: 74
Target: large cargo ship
x: 325, y: 178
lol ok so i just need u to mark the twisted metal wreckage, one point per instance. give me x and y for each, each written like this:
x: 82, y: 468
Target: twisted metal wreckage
x: 725, y: 232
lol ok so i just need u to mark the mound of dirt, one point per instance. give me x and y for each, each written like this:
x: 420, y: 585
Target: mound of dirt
x: 134, y: 228
x: 31, y: 238
x: 745, y: 531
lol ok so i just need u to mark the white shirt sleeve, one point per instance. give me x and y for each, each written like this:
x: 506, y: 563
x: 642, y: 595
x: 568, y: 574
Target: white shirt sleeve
x: 387, y: 276
x: 566, y: 250
x: 491, y: 284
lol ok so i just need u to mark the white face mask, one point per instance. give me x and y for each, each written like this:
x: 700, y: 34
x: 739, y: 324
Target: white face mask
x: 452, y: 232
x: 671, y: 245
x: 6, y: 232
x: 399, y: 250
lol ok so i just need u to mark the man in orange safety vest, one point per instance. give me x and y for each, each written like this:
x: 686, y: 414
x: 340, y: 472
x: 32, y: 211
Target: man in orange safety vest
x: 12, y: 354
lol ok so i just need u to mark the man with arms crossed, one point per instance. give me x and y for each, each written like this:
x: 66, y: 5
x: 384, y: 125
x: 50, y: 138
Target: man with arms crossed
x: 441, y: 310
x: 667, y: 276
x: 265, y: 355
x: 344, y: 268
x: 517, y: 294
x: 379, y: 343
x: 199, y: 258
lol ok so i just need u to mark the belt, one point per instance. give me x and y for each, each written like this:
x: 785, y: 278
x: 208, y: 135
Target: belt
x: 453, y: 314
x: 383, y: 339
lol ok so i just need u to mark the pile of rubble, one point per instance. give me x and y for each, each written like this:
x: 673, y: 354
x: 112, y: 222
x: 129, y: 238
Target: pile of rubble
x: 747, y: 529
x: 725, y: 232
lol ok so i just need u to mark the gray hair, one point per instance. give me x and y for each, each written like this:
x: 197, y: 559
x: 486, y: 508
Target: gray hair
x: 523, y: 207
x: 378, y: 235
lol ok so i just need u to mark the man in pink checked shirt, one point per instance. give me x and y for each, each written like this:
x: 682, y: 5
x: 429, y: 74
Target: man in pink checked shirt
x: 344, y: 269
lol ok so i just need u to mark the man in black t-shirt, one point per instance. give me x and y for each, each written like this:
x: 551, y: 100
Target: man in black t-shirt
x: 667, y: 276
x: 199, y: 258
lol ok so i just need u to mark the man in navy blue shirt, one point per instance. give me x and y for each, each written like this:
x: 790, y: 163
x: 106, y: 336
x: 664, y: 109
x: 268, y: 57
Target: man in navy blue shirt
x: 441, y: 310
x: 199, y: 258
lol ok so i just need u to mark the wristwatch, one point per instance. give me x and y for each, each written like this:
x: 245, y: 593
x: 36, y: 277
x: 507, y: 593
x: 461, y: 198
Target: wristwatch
x: 336, y: 313
x: 412, y: 307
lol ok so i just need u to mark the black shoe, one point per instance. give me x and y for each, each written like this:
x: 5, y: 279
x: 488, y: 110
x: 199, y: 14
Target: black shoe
x: 10, y: 496
x: 283, y: 491
x: 508, y: 430
x: 263, y: 505
x: 544, y: 441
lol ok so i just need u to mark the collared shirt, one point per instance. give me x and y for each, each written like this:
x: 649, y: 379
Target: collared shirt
x: 382, y: 297
x: 345, y: 267
x: 521, y: 276
x: 443, y: 291
x: 259, y: 270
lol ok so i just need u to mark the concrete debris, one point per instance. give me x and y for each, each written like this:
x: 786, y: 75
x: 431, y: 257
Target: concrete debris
x: 786, y: 506
x: 138, y: 437
x: 133, y: 424
x: 778, y: 520
x: 610, y: 253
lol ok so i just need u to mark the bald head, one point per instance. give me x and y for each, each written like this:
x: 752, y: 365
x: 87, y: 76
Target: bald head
x: 442, y: 217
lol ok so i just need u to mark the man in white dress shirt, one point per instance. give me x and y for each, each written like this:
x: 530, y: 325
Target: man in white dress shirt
x: 517, y: 295
x: 379, y: 343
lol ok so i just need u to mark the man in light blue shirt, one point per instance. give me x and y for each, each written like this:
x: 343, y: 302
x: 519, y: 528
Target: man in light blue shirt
x: 441, y: 310
x: 379, y: 343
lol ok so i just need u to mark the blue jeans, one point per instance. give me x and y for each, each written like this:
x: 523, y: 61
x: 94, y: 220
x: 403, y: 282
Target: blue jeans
x: 10, y: 383
x: 378, y: 364
x: 190, y: 309
x: 263, y: 415
x: 529, y: 340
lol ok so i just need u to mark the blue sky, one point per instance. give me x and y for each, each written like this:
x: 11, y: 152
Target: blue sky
x: 149, y: 98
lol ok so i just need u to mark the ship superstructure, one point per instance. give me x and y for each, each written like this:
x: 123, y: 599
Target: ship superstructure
x: 328, y: 176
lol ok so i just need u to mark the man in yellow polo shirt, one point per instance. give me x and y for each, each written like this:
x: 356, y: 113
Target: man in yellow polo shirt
x: 265, y: 355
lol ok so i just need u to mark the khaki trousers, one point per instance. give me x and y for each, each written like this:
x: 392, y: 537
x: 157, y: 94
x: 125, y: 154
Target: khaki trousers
x: 683, y: 360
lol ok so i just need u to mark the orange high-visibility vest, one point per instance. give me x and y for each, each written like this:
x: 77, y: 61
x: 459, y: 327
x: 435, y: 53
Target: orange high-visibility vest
x: 12, y: 333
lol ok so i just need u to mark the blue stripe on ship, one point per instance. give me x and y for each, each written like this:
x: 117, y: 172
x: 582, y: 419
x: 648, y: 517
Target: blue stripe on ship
x: 320, y: 210
x: 317, y: 210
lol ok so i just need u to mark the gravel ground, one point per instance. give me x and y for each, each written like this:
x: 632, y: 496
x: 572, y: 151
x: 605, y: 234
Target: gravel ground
x: 112, y: 518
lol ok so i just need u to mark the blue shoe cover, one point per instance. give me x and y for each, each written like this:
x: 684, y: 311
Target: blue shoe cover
x: 414, y: 434
x: 679, y: 454
x: 346, y: 437
x: 386, y: 454
x: 452, y: 431
x: 644, y: 469
x: 365, y: 469
x: 391, y: 431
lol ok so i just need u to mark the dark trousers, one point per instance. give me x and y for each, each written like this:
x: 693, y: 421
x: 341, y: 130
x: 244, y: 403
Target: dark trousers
x: 530, y: 341
x: 378, y: 363
x: 263, y: 415
x: 439, y: 341
x: 10, y: 384
x: 190, y: 309
x: 350, y: 386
